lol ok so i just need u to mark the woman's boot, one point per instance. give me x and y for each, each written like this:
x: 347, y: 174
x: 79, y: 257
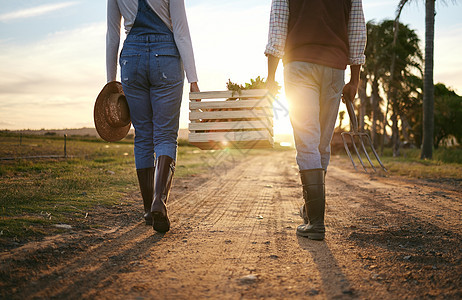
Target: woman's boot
x: 315, y: 202
x: 165, y: 167
x: 146, y: 181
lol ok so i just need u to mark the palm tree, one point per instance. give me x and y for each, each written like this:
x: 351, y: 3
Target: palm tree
x: 428, y: 87
x: 373, y: 72
x: 393, y: 56
x: 404, y: 59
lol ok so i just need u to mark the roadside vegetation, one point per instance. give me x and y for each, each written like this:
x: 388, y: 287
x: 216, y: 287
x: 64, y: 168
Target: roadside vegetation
x: 446, y: 164
x: 40, y: 195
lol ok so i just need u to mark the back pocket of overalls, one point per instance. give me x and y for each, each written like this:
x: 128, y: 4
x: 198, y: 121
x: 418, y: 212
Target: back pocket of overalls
x: 129, y: 68
x: 169, y: 67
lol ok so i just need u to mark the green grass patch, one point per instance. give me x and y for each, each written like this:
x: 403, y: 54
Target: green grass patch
x: 446, y: 163
x: 36, y: 194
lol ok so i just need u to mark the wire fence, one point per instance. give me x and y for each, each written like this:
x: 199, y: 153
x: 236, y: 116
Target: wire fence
x: 63, y: 155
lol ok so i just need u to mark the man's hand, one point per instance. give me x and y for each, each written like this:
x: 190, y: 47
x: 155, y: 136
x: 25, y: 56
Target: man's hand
x: 349, y: 91
x: 351, y: 88
x: 271, y: 84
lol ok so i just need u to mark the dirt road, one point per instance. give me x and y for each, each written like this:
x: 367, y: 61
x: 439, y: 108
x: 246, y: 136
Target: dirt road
x: 233, y: 237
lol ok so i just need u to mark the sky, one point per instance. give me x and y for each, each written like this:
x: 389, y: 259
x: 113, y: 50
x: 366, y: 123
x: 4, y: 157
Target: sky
x: 52, y: 53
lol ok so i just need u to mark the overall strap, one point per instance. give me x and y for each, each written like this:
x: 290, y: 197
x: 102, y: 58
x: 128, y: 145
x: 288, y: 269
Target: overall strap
x: 147, y: 22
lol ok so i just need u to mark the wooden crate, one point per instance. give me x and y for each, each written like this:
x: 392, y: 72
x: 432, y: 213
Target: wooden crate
x: 227, y: 119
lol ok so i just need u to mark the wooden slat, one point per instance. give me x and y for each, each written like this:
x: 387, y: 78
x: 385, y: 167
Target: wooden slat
x: 233, y: 130
x: 228, y: 94
x: 263, y: 102
x: 231, y: 136
x: 212, y: 145
x: 220, y: 115
x: 239, y: 125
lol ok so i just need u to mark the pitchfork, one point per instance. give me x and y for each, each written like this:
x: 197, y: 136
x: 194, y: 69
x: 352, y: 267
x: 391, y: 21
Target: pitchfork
x: 361, y: 136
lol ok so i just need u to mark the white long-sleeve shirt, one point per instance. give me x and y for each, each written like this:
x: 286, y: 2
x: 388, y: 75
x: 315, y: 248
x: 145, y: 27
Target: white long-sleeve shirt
x: 171, y: 12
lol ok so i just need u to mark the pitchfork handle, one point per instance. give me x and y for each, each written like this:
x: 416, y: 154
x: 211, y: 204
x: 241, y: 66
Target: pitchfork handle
x: 351, y: 112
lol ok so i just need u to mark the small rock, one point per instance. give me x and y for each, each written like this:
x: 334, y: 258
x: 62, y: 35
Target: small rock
x: 63, y: 226
x: 407, y: 257
x: 348, y: 292
x: 269, y: 186
x: 110, y: 172
x: 228, y: 242
x: 312, y: 292
x: 84, y: 193
x: 259, y: 217
x: 248, y: 279
x: 273, y: 256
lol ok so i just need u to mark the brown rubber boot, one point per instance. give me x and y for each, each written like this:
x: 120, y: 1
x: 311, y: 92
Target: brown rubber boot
x: 315, y: 203
x: 165, y: 168
x: 146, y: 181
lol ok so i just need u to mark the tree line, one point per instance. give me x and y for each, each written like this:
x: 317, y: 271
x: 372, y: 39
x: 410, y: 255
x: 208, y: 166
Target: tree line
x: 391, y: 92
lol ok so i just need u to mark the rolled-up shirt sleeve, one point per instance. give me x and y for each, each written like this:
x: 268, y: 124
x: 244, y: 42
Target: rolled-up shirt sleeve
x: 357, y: 34
x: 114, y: 19
x: 279, y: 19
x: 183, y: 38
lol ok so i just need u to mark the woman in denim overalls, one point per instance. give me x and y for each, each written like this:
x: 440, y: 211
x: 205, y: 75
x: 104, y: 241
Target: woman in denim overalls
x: 152, y: 76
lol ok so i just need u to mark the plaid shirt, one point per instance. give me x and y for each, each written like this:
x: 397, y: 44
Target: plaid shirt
x: 279, y: 20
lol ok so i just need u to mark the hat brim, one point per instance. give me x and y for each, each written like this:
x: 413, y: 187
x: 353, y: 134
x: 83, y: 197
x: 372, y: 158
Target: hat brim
x: 106, y: 131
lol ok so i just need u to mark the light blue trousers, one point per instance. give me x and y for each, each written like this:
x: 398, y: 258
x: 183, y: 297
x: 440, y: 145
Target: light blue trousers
x: 152, y: 78
x: 313, y: 92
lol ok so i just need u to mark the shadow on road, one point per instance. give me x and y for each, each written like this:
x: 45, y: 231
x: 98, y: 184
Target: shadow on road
x: 330, y: 272
x: 101, y: 266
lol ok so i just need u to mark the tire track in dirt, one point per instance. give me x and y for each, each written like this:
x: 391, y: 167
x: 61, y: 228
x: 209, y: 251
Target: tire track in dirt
x: 422, y: 202
x: 404, y: 247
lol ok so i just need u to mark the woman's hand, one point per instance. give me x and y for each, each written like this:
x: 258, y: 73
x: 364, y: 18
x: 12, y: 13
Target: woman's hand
x: 194, y: 87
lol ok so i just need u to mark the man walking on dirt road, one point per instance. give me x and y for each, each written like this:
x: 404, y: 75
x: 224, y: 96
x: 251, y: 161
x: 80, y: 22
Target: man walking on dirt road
x: 316, y: 39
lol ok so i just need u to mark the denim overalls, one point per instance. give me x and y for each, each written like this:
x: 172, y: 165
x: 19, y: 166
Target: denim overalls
x: 152, y: 77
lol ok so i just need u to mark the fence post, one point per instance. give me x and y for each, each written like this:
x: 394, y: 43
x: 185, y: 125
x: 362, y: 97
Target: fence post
x: 65, y: 142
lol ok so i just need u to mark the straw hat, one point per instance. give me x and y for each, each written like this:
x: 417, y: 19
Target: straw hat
x: 111, y: 113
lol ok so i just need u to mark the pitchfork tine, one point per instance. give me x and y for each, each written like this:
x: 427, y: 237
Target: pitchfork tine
x: 365, y: 152
x: 357, y: 152
x: 348, y: 150
x: 375, y: 154
x: 355, y: 132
